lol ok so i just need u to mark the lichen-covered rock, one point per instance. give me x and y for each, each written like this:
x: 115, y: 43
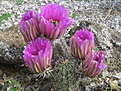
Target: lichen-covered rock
x: 109, y: 40
x: 11, y: 45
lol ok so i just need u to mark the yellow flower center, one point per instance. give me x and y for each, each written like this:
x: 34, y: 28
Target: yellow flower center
x: 54, y: 22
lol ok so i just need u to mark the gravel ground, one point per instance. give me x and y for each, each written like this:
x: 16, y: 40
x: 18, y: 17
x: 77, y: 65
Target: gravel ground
x: 97, y: 13
x: 75, y: 6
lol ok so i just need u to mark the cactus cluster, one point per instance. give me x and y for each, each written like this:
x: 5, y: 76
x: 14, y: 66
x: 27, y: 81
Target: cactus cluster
x: 52, y: 22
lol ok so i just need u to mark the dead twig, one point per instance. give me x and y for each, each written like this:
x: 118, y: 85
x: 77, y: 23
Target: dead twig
x: 109, y: 12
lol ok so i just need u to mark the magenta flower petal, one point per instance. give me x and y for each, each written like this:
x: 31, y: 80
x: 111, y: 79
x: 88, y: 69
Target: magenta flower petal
x: 38, y: 54
x: 54, y: 20
x: 29, y: 25
x: 92, y: 65
x: 82, y: 43
x: 54, y: 11
x: 46, y: 27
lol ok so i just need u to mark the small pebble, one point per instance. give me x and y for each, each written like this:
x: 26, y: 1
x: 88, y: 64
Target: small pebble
x: 117, y: 76
x: 4, y: 88
x: 107, y: 80
x: 119, y: 82
x: 113, y: 84
x: 1, y: 72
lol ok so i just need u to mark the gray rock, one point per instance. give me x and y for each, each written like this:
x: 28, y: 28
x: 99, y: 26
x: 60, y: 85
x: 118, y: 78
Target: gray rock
x: 11, y: 45
x: 109, y: 40
x: 106, y: 39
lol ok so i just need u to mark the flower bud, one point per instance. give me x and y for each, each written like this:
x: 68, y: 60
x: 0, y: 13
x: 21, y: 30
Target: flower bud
x: 29, y: 25
x: 92, y: 65
x: 38, y: 54
x: 82, y: 42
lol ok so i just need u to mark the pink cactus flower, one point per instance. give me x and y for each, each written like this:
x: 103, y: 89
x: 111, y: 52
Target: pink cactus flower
x: 38, y: 54
x: 92, y: 65
x: 82, y: 43
x: 29, y: 25
x: 54, y: 20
